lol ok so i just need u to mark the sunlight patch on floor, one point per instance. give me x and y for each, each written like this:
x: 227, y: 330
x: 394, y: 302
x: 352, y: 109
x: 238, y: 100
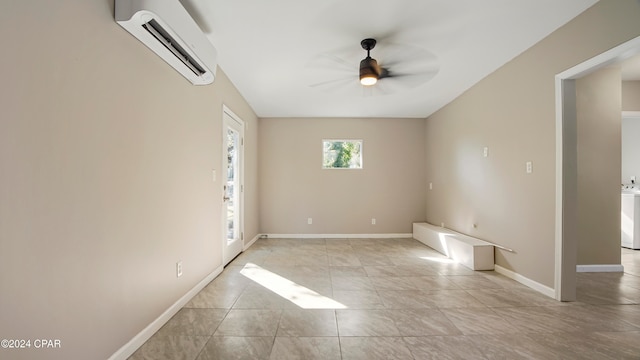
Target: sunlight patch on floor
x: 439, y: 260
x: 297, y: 294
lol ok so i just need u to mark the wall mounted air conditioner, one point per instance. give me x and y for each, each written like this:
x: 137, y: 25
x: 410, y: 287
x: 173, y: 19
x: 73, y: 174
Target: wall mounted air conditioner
x: 168, y: 29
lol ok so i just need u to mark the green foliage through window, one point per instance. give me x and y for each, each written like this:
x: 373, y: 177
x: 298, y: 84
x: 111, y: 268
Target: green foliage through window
x: 342, y: 154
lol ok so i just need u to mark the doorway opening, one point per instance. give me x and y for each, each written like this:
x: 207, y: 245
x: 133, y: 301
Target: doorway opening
x: 566, y: 239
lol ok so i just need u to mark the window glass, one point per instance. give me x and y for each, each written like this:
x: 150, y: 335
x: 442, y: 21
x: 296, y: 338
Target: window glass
x: 342, y: 154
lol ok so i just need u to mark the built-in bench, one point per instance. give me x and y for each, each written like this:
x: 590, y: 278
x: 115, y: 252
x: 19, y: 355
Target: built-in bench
x: 473, y: 253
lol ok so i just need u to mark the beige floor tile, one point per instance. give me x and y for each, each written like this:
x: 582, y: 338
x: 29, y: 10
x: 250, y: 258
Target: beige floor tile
x: 534, y: 319
x: 313, y: 260
x: 474, y: 321
x: 502, y: 280
x: 454, y: 269
x: 170, y: 348
x: 512, y: 297
x: 413, y: 260
x: 400, y: 270
x: 346, y: 271
x: 405, y: 299
x: 212, y: 297
x: 620, y: 345
x: 359, y: 299
x: 237, y: 348
x: 375, y: 260
x: 433, y: 283
x: 306, y: 348
x: 422, y: 322
x: 352, y: 283
x: 344, y: 259
x: 514, y: 347
x: 393, y: 283
x: 288, y: 271
x: 189, y: 322
x: 249, y: 323
x: 308, y: 323
x: 374, y: 348
x: 626, y: 313
x: 468, y: 282
x: 251, y: 256
x: 366, y: 323
x: 452, y: 299
x: 320, y: 283
x: 443, y: 348
x: 259, y: 297
x: 589, y: 319
x: 596, y: 346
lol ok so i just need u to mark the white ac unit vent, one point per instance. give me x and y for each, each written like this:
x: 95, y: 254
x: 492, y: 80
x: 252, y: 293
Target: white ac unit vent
x: 168, y: 30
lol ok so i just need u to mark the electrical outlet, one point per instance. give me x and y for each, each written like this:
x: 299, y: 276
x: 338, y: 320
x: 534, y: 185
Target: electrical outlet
x: 309, y: 221
x: 373, y: 221
x: 179, y: 269
x: 430, y: 186
x: 485, y: 152
x: 529, y: 167
x: 441, y: 224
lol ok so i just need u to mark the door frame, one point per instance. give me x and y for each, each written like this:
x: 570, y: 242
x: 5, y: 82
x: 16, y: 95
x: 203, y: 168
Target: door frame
x: 566, y: 239
x: 228, y: 112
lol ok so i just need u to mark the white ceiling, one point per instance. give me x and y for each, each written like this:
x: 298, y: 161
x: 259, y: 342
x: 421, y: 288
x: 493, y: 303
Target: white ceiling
x: 274, y: 51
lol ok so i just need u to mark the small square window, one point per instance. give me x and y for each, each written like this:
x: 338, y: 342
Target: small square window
x: 342, y: 154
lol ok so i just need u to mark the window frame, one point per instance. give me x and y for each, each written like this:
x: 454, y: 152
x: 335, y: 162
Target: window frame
x: 360, y: 143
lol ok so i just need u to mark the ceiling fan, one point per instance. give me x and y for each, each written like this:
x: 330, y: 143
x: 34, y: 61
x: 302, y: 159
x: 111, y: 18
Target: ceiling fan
x: 370, y: 71
x: 401, y: 67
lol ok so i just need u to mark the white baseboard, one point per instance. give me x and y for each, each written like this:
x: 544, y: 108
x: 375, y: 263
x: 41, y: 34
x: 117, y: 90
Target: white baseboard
x: 340, y: 236
x: 248, y: 245
x: 129, y: 348
x: 600, y: 268
x: 543, y: 289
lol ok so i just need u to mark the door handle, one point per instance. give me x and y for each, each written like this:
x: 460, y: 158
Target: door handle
x: 225, y: 199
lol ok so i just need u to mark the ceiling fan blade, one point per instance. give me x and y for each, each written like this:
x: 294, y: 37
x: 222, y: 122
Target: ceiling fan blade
x: 409, y: 80
x: 334, y: 81
x: 428, y: 72
x: 333, y: 62
x: 407, y: 56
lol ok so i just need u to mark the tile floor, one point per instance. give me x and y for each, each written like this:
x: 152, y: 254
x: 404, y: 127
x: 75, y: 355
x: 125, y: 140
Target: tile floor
x: 393, y: 299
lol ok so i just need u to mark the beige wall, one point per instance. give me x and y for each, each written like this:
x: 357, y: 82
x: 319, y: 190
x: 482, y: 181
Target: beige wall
x: 293, y: 186
x: 599, y: 165
x: 631, y: 96
x: 512, y: 111
x: 106, y: 155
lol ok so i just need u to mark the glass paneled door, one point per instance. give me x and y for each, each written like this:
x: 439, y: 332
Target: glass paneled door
x: 233, y: 185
